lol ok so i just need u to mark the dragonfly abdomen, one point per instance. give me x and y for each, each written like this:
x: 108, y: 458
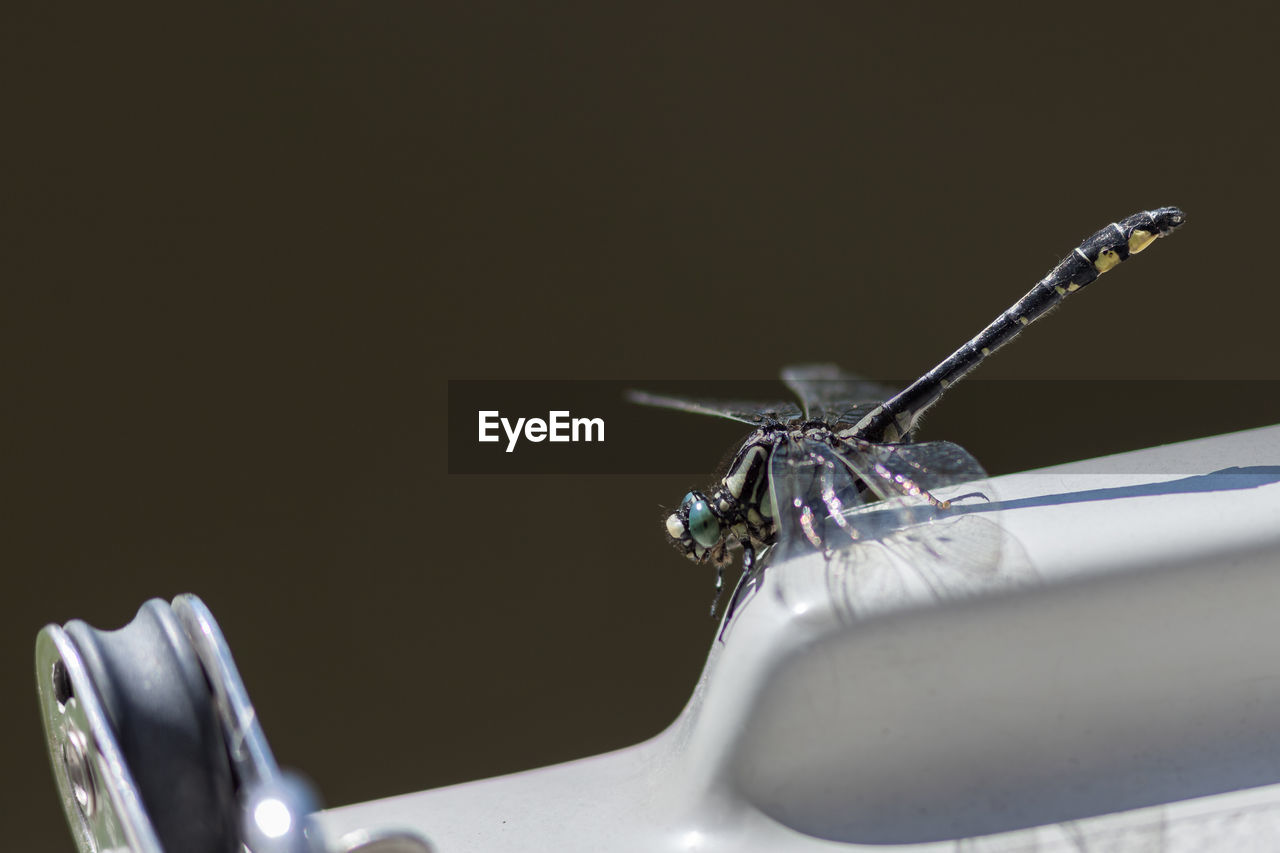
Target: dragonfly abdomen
x: 1098, y: 254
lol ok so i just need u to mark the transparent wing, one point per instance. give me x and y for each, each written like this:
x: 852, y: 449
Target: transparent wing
x: 885, y: 544
x: 945, y: 557
x: 828, y: 393
x: 902, y: 470
x: 734, y: 410
x: 812, y: 489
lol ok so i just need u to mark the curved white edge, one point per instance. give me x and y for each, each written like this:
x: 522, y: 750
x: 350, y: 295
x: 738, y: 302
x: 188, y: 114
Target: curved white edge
x: 1127, y: 697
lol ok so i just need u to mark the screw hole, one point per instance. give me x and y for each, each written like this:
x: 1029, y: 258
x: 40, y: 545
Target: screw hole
x: 61, y: 683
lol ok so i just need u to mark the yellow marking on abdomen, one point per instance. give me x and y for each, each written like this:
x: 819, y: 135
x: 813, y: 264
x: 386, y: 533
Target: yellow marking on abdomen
x: 1140, y: 240
x: 1106, y: 260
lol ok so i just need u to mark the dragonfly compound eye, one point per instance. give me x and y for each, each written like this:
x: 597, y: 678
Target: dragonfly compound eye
x: 704, y: 527
x: 694, y: 527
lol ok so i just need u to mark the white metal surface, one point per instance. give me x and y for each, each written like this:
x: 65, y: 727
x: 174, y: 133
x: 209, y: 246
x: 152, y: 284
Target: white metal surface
x: 1127, y: 699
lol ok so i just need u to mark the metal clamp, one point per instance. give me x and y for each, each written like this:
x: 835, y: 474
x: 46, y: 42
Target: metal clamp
x: 156, y: 747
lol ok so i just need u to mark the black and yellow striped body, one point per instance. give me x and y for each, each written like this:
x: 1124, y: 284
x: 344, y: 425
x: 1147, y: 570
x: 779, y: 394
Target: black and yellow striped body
x: 896, y: 417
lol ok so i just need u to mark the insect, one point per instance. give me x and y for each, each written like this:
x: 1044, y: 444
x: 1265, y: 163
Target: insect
x: 841, y: 467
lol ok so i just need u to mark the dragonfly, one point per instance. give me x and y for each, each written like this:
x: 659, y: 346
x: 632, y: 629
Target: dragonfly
x: 841, y: 468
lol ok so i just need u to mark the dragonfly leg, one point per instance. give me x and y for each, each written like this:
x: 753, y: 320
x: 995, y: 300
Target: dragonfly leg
x: 719, y: 588
x: 720, y: 557
x: 976, y: 495
x: 748, y: 579
x: 937, y: 503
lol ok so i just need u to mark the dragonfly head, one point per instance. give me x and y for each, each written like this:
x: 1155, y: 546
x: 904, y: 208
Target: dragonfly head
x: 696, y: 528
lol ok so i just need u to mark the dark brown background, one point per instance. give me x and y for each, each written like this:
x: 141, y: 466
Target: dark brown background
x: 244, y: 251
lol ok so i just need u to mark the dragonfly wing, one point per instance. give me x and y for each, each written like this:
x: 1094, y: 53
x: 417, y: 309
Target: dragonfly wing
x: 734, y: 410
x: 865, y: 580
x: 905, y: 470
x: 812, y: 489
x: 965, y: 555
x: 827, y: 392
x: 950, y: 556
x: 946, y: 558
x: 885, y: 544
